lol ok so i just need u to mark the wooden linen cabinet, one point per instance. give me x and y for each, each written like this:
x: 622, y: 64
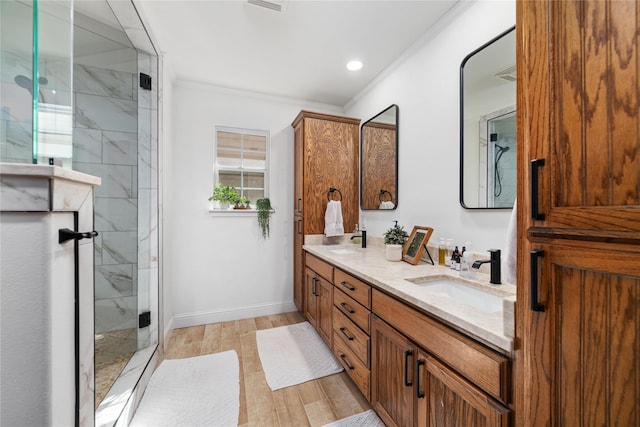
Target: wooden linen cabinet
x: 578, y: 303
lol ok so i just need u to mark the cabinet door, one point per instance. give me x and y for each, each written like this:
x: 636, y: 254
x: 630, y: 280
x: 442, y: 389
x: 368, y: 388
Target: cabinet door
x: 298, y: 176
x: 579, y: 85
x: 298, y: 264
x: 311, y: 297
x: 324, y: 289
x: 583, y: 337
x: 392, y: 360
x: 330, y: 160
x: 445, y: 399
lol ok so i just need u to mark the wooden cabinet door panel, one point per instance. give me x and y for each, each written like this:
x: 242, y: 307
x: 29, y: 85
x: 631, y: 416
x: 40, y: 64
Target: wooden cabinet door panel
x: 447, y: 400
x: 392, y: 356
x: 583, y: 348
x: 580, y: 83
x: 325, y: 310
x: 298, y: 264
x: 330, y: 160
x: 311, y: 299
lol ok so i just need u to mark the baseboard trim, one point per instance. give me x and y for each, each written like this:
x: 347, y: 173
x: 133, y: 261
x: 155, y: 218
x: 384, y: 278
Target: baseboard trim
x: 226, y: 315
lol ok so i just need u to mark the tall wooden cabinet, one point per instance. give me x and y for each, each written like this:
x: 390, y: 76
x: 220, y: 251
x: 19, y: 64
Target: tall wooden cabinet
x: 326, y: 156
x: 578, y: 304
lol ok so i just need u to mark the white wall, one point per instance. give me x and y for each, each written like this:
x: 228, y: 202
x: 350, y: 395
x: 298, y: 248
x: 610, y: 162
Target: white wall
x: 218, y: 267
x: 425, y: 86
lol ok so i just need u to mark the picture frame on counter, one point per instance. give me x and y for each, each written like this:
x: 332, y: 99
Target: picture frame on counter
x: 416, y: 244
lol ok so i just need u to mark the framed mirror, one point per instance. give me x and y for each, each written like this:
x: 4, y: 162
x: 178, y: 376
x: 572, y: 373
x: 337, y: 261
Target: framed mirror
x: 488, y: 125
x: 379, y: 161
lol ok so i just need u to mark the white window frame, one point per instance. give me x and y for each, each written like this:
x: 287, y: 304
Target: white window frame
x: 244, y: 131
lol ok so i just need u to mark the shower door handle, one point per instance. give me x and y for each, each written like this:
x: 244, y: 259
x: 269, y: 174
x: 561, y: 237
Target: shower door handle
x: 64, y: 235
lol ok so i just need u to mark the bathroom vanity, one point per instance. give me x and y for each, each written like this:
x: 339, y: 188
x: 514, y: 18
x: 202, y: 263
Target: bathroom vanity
x: 424, y: 346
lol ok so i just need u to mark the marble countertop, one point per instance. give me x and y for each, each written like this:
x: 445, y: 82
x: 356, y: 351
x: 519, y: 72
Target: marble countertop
x: 494, y: 329
x: 48, y: 171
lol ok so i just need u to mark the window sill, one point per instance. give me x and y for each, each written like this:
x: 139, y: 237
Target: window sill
x: 235, y: 212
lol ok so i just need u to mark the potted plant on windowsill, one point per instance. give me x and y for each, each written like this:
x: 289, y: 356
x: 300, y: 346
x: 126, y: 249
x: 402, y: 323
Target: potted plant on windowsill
x: 394, y: 239
x: 242, y: 203
x: 225, y: 195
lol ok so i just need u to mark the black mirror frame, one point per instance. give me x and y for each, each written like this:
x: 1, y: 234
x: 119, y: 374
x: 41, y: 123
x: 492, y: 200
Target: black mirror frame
x: 464, y: 61
x: 397, y: 148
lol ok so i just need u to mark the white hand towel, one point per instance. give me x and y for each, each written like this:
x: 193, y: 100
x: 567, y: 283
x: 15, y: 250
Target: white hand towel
x: 333, y: 225
x: 387, y: 205
x: 510, y: 261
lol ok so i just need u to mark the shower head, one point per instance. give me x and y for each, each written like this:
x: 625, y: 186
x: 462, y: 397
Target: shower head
x: 502, y: 149
x: 26, y: 83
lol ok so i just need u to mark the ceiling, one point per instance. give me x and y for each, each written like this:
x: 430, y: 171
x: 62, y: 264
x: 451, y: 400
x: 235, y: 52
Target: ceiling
x: 300, y: 52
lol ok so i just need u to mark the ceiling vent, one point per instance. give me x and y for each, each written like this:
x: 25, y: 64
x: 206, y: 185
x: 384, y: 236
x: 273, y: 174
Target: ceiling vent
x: 509, y: 74
x: 278, y: 6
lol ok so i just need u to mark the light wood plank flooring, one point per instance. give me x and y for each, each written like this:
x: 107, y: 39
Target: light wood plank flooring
x: 310, y: 404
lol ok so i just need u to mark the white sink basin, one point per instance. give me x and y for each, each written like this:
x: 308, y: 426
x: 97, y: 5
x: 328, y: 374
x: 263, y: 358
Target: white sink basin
x: 343, y: 251
x: 460, y: 293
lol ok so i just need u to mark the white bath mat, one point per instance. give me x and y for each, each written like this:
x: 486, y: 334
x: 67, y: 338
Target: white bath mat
x: 197, y: 391
x: 293, y: 355
x: 366, y: 418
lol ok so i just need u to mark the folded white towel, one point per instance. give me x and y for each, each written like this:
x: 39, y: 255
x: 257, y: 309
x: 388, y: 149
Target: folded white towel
x: 387, y: 205
x: 509, y: 260
x: 333, y: 225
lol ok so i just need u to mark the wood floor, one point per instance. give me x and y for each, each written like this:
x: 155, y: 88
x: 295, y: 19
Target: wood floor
x: 313, y: 403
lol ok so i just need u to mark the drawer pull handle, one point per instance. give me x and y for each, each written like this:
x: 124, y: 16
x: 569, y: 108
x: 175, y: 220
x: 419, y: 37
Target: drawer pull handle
x: 343, y: 330
x: 314, y: 283
x: 419, y: 391
x: 346, y: 285
x: 346, y: 307
x: 407, y: 355
x: 535, y: 183
x: 349, y: 365
x: 535, y: 304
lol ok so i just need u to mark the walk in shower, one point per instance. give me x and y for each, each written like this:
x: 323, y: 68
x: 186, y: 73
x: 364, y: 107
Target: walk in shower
x: 71, y: 91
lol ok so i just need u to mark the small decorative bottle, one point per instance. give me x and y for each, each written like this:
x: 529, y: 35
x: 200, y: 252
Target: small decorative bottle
x: 442, y: 251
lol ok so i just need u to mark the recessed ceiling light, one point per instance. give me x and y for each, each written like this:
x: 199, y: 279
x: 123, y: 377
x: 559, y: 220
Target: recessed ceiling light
x: 354, y: 65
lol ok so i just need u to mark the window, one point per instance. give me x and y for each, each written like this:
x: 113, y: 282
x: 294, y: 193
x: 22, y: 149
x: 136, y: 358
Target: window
x: 241, y: 160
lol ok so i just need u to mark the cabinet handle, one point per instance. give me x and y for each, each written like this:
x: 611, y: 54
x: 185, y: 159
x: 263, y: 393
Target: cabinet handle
x: 64, y: 235
x: 349, y: 365
x: 536, y: 164
x: 299, y: 226
x: 419, y: 392
x: 314, y: 281
x: 346, y: 285
x: 407, y: 355
x: 535, y: 304
x: 343, y: 330
x: 299, y: 200
x: 346, y: 307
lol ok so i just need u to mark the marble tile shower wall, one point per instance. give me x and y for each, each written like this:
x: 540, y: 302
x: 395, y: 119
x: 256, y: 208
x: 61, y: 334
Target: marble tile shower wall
x: 105, y: 143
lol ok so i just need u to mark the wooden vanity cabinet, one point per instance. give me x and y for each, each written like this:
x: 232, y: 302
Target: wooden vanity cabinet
x: 424, y: 374
x: 325, y: 156
x: 319, y: 296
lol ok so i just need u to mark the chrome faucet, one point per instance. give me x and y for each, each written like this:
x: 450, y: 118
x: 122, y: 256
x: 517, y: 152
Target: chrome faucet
x: 495, y: 266
x: 363, y: 235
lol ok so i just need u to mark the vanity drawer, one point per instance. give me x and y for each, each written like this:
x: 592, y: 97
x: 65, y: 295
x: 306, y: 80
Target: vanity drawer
x: 355, y: 288
x: 359, y: 373
x: 353, y: 337
x: 352, y: 309
x: 319, y: 266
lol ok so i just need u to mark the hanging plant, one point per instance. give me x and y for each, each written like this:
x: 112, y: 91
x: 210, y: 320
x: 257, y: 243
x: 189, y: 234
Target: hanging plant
x: 263, y: 206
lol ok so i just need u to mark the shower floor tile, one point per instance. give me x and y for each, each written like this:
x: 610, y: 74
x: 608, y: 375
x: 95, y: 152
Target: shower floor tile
x: 112, y: 353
